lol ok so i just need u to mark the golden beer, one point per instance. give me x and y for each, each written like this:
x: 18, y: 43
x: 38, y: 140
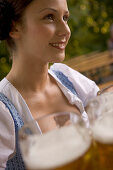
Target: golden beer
x: 102, y: 130
x: 84, y: 162
x: 64, y: 148
x: 100, y: 113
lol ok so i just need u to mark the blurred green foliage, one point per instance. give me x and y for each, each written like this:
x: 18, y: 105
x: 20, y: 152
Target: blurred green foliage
x: 5, y: 63
x: 89, y: 22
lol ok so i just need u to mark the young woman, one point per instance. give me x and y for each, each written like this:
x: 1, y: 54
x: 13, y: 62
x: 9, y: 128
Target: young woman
x: 37, y: 33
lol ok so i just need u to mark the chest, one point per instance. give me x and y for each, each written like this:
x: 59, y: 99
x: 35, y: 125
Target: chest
x: 54, y: 101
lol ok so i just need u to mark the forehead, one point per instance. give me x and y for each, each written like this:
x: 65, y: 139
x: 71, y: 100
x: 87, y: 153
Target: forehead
x: 39, y: 5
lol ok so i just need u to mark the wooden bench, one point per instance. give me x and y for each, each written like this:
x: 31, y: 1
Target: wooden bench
x: 82, y: 58
x: 103, y: 85
x: 96, y: 65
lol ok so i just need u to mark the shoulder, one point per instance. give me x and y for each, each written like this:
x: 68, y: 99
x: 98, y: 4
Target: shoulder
x: 73, y: 75
x: 85, y: 87
x: 15, y: 98
x: 5, y: 117
x: 59, y: 66
x: 66, y: 70
x: 3, y: 84
x: 5, y: 87
x: 8, y: 90
x: 7, y: 135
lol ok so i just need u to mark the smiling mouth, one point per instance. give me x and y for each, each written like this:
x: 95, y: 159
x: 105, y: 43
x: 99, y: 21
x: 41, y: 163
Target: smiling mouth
x: 60, y: 46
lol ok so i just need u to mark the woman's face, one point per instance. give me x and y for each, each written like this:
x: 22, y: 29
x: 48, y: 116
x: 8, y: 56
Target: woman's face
x: 46, y: 32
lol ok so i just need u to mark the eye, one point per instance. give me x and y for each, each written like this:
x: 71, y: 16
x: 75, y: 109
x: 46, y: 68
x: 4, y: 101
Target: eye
x: 66, y: 18
x: 49, y: 17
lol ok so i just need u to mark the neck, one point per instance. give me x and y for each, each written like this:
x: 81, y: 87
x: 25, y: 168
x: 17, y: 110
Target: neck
x: 29, y: 77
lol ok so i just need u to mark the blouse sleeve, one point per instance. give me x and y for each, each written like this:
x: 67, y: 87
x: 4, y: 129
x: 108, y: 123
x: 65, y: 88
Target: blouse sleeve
x: 7, y: 135
x: 85, y: 88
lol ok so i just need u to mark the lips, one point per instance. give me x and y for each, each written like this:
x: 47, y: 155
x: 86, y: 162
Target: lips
x: 59, y: 45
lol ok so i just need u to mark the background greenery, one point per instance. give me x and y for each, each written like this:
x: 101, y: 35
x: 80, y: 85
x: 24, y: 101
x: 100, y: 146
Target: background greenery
x: 90, y: 21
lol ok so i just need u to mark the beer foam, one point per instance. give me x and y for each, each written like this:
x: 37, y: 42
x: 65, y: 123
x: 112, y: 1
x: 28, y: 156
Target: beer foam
x: 99, y: 105
x: 55, y: 148
x: 103, y: 128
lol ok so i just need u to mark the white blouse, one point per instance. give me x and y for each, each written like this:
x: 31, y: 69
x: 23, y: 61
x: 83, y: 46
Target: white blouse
x: 85, y: 88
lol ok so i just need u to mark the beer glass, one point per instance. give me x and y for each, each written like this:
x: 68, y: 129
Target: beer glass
x: 58, y: 141
x: 100, y: 112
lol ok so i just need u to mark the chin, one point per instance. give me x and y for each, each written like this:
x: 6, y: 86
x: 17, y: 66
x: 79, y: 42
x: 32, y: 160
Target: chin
x: 58, y: 58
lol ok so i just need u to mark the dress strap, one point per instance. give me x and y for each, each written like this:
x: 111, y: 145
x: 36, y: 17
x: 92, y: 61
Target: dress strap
x: 15, y: 163
x: 65, y: 81
x: 16, y: 117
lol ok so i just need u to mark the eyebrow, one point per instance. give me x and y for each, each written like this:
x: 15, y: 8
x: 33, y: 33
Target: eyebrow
x: 51, y: 9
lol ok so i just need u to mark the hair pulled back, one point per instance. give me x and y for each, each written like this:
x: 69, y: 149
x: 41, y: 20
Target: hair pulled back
x: 10, y: 10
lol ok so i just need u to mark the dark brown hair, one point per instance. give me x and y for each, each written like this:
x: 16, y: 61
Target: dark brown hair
x: 10, y: 10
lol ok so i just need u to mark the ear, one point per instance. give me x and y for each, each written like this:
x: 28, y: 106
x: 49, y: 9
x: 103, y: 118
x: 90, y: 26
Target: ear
x: 15, y: 31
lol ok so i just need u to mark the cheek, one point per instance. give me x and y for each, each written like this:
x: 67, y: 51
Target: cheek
x: 38, y: 38
x: 42, y: 32
x: 69, y: 32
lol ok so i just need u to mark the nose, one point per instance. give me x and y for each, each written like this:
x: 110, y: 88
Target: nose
x: 63, y: 29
